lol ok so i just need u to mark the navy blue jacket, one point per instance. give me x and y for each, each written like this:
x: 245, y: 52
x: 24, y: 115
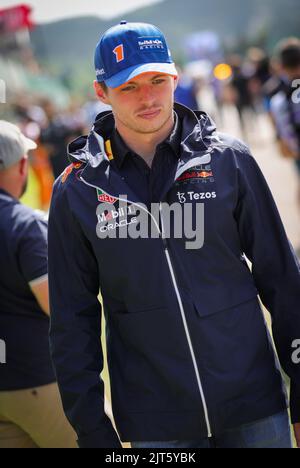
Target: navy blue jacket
x: 189, y: 354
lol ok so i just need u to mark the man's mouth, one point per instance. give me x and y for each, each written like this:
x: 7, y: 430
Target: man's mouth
x: 149, y: 114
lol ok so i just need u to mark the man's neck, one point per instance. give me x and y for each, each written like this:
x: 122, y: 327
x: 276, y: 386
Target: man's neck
x: 145, y: 144
x: 7, y: 188
x: 6, y: 192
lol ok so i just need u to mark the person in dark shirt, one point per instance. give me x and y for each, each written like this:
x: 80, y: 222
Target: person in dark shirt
x: 31, y: 415
x: 285, y: 105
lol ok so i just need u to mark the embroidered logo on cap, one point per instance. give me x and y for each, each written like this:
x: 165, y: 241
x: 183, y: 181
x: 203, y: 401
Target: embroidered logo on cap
x: 150, y: 43
x: 100, y: 72
x: 119, y: 53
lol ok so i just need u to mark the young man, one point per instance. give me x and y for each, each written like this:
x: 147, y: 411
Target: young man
x: 285, y: 105
x: 31, y: 414
x: 190, y: 359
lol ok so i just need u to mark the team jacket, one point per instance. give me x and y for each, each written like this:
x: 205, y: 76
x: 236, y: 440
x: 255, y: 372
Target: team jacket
x: 188, y: 350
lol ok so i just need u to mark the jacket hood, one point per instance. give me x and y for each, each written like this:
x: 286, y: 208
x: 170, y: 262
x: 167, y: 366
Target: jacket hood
x: 198, y: 132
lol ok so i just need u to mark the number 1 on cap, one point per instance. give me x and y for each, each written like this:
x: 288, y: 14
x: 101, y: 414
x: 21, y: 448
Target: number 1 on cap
x: 119, y: 53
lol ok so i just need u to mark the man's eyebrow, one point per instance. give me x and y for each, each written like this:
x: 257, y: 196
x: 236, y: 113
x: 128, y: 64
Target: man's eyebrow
x: 154, y: 78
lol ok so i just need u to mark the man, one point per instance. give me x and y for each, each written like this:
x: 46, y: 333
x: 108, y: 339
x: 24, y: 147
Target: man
x: 286, y: 110
x: 31, y: 413
x: 285, y: 105
x: 190, y: 359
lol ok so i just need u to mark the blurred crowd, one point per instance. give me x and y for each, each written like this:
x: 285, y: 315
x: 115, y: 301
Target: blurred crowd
x: 253, y: 84
x: 52, y: 128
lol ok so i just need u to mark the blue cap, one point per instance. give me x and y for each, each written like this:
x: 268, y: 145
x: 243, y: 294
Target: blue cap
x: 129, y: 49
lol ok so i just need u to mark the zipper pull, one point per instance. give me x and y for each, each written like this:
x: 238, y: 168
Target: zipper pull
x: 165, y: 243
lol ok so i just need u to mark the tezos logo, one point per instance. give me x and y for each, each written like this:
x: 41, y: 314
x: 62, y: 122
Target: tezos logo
x: 194, y: 196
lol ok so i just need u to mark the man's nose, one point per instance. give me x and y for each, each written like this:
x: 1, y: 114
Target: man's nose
x: 147, y: 93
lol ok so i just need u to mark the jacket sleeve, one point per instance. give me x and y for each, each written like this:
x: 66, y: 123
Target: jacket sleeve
x: 275, y: 267
x: 76, y: 326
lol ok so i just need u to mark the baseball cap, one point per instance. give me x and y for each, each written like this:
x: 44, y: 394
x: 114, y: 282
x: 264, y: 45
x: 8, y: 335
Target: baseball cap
x: 130, y: 49
x: 13, y: 145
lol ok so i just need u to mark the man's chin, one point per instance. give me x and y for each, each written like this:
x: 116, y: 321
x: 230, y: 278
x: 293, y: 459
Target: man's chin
x: 151, y: 127
x: 149, y: 130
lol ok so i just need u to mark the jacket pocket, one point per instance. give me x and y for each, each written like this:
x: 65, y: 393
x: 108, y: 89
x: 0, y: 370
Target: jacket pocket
x: 143, y: 310
x: 206, y: 309
x: 140, y: 329
x: 151, y: 367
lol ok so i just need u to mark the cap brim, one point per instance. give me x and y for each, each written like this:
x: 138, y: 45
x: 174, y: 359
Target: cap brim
x: 29, y: 144
x: 126, y: 75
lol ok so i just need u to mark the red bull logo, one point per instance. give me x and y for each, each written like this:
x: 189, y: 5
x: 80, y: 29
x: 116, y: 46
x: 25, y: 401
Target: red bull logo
x: 195, y: 175
x: 69, y: 170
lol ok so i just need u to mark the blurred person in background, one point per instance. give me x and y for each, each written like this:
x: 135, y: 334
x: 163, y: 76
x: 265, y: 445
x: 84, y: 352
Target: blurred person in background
x: 31, y: 118
x: 285, y: 105
x: 92, y: 108
x: 57, y: 132
x: 31, y: 414
x: 240, y: 84
x: 186, y: 93
x: 257, y: 68
x: 274, y: 84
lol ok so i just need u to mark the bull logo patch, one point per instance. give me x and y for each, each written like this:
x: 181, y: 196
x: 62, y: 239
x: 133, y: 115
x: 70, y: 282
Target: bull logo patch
x: 197, y: 174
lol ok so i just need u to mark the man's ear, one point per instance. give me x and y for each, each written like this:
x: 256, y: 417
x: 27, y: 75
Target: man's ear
x: 100, y: 93
x: 23, y: 165
x: 176, y: 79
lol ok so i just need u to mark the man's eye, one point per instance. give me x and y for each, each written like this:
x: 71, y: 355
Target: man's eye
x: 159, y: 81
x: 128, y: 88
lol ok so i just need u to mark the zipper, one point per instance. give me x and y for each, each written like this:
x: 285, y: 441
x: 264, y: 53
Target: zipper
x: 186, y: 328
x: 178, y: 296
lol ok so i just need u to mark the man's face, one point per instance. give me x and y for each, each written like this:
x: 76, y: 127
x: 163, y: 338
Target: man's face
x: 145, y: 104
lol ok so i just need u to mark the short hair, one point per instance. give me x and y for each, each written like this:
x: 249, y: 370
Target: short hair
x: 288, y: 52
x: 103, y: 86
